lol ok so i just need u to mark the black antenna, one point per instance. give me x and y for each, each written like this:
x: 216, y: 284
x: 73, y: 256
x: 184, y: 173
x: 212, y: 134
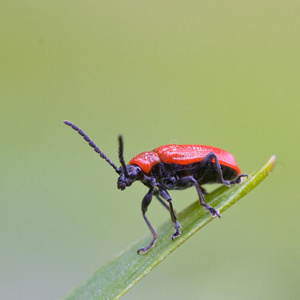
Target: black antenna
x: 121, y: 158
x: 92, y: 144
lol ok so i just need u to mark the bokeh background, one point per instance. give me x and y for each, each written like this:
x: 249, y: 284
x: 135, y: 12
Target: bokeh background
x: 209, y: 72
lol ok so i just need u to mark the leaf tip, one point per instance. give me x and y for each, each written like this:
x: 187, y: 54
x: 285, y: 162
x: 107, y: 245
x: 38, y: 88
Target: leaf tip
x: 272, y: 160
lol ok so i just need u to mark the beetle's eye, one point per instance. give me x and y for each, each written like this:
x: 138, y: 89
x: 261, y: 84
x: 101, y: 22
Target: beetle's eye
x: 133, y: 172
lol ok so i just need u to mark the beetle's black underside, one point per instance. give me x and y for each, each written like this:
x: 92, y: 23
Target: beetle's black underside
x: 168, y: 174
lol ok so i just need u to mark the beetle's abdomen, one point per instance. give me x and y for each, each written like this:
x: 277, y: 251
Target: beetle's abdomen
x: 145, y: 160
x: 189, y: 154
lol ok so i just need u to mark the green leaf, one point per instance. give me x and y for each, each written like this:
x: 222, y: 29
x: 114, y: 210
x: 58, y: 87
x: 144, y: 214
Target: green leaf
x: 119, y: 275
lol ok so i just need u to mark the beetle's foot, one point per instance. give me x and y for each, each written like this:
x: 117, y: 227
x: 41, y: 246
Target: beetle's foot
x: 147, y: 248
x: 177, y: 231
x: 176, y: 234
x: 239, y: 179
x: 214, y: 213
x: 226, y: 182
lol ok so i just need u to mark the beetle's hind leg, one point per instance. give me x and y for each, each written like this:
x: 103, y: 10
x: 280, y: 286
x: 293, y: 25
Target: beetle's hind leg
x: 145, y: 203
x: 209, y: 159
x: 239, y: 179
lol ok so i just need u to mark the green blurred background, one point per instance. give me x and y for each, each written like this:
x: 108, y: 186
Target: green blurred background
x: 222, y: 73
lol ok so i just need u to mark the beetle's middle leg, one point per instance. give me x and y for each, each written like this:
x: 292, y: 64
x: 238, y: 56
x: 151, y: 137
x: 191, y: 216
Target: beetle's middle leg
x: 161, y: 200
x: 212, y: 210
x: 187, y: 179
x: 165, y: 195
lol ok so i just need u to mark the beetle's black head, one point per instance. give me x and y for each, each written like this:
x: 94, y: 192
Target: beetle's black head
x: 128, y: 175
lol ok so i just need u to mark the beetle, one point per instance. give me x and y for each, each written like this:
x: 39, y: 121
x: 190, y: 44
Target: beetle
x: 172, y: 167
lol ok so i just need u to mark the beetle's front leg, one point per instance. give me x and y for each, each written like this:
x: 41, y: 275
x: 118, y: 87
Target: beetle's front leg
x: 164, y: 194
x: 145, y: 203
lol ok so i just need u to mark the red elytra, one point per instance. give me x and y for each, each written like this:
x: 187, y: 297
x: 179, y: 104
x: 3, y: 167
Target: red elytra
x: 182, y: 155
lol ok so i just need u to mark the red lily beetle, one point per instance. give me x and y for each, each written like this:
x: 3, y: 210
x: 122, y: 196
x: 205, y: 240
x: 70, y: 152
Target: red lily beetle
x: 172, y: 167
